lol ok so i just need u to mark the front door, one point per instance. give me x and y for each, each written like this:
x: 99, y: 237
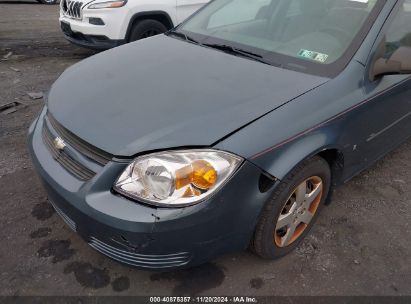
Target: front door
x: 386, y: 120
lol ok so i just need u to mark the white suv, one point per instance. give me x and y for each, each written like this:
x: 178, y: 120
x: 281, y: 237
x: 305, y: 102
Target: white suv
x: 102, y: 24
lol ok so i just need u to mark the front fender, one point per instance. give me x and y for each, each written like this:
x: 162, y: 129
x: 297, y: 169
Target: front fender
x: 282, y: 158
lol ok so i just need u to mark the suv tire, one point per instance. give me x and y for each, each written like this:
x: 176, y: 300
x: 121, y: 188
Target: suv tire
x: 146, y: 28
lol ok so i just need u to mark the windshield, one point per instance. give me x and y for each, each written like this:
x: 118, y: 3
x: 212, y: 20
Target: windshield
x: 306, y: 35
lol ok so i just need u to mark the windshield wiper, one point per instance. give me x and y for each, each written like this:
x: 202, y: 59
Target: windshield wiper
x: 235, y: 51
x: 223, y: 47
x: 182, y: 35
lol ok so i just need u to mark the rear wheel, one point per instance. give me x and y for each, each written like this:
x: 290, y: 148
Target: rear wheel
x: 146, y: 28
x: 48, y: 1
x: 289, y: 216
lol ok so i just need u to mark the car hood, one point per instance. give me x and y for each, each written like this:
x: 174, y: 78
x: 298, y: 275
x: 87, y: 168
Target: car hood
x: 163, y: 92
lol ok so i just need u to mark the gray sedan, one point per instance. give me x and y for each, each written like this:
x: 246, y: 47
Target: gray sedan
x: 229, y: 132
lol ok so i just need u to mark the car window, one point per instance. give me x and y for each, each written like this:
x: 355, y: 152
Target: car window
x: 296, y: 34
x: 399, y: 32
x: 294, y: 9
x: 245, y: 10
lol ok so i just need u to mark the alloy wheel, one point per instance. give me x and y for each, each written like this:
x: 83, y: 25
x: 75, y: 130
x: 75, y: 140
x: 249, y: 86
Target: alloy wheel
x: 298, y: 211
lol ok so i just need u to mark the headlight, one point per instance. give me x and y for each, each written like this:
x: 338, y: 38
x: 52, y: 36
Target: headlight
x: 108, y: 4
x: 176, y: 178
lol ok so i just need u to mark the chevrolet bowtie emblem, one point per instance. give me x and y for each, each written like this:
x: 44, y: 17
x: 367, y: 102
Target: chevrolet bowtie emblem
x: 59, y: 144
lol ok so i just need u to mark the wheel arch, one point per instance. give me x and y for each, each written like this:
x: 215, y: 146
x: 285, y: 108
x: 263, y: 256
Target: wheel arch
x: 160, y: 16
x: 282, y: 161
x: 335, y: 159
x: 333, y: 156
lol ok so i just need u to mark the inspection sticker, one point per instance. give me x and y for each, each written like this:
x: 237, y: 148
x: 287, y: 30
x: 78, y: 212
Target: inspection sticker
x: 316, y: 56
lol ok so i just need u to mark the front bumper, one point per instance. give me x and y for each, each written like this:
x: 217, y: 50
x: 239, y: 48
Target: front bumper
x: 91, y: 41
x: 111, y: 34
x: 141, y: 235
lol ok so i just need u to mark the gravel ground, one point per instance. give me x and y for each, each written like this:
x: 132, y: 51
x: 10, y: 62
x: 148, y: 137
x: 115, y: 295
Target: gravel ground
x: 360, y: 246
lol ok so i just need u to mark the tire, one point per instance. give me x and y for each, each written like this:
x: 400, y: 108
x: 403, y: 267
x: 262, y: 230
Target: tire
x: 146, y: 28
x: 271, y: 240
x: 49, y: 2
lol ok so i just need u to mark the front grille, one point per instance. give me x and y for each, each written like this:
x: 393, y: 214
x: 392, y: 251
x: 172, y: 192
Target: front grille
x: 78, y: 144
x: 65, y: 217
x: 65, y: 160
x: 72, y: 9
x: 141, y: 260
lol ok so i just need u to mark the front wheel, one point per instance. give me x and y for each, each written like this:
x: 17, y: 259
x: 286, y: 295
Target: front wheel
x: 296, y: 204
x: 146, y: 28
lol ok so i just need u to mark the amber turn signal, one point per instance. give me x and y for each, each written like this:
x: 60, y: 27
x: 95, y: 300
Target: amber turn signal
x: 200, y: 173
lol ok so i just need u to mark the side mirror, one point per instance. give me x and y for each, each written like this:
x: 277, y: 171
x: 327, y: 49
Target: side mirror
x: 398, y: 63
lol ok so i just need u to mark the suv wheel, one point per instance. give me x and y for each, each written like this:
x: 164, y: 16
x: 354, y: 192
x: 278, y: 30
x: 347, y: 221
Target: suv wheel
x: 291, y: 213
x: 146, y: 28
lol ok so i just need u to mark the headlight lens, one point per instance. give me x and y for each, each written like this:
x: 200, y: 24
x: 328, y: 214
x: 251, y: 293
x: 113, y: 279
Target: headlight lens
x: 176, y: 178
x: 108, y: 4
